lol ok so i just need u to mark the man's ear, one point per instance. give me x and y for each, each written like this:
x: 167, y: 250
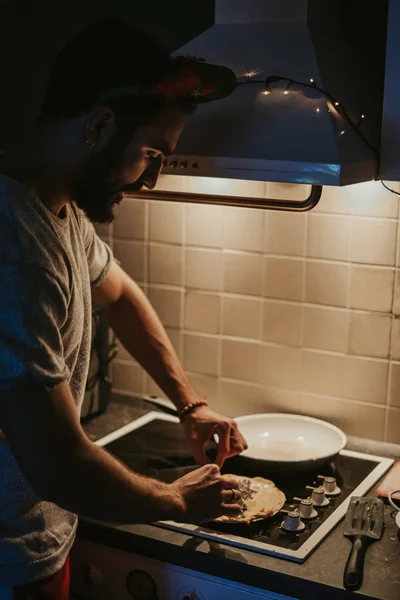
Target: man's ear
x: 99, y: 127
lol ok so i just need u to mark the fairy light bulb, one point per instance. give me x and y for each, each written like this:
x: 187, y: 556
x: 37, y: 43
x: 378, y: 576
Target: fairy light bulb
x: 342, y: 132
x: 286, y: 92
x: 336, y: 103
x: 311, y: 80
x: 317, y: 110
x: 266, y: 92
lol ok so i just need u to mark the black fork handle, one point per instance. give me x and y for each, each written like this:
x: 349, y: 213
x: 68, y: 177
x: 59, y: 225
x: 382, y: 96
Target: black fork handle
x: 353, y: 573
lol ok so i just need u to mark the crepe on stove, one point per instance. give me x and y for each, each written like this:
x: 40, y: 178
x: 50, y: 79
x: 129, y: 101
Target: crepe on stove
x: 260, y: 499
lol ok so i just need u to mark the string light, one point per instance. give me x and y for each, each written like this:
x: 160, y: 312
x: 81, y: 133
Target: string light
x: 388, y: 188
x: 340, y: 110
x: 251, y: 74
x: 360, y: 120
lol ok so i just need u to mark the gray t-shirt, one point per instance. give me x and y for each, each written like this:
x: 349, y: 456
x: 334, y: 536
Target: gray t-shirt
x: 47, y: 265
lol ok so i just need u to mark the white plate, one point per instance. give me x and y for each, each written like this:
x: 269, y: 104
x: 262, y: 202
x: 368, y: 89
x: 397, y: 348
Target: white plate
x: 290, y: 439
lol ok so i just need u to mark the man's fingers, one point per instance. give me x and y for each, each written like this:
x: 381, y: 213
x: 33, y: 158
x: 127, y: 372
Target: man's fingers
x: 231, y: 510
x: 198, y: 452
x: 199, y: 455
x: 237, y: 442
x: 224, y: 435
x: 229, y: 483
x: 231, y: 496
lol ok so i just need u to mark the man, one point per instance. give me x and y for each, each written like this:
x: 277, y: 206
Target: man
x: 115, y: 105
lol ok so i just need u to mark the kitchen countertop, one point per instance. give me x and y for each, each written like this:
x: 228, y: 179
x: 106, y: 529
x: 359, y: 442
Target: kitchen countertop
x: 320, y: 576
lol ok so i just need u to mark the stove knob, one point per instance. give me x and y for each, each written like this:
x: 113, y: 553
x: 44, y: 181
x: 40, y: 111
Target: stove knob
x: 306, y: 508
x: 173, y: 164
x: 140, y: 584
x: 293, y: 523
x: 92, y: 575
x: 330, y: 486
x: 318, y: 496
x: 183, y: 165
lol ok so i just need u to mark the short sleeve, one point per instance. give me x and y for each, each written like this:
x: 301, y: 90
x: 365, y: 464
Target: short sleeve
x: 33, y: 310
x: 98, y: 253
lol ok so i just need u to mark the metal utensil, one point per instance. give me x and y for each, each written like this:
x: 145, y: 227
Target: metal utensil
x: 364, y: 523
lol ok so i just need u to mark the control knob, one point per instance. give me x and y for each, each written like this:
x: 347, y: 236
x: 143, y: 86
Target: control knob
x: 318, y: 496
x: 330, y: 486
x: 292, y: 522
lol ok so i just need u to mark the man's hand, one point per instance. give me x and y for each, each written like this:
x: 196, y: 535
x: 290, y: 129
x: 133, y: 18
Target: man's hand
x: 201, y: 424
x: 204, y: 494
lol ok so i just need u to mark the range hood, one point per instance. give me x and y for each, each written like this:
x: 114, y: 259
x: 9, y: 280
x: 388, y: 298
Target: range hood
x: 294, y: 137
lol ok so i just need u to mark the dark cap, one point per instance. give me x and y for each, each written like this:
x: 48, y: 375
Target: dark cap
x: 110, y: 59
x: 190, y: 77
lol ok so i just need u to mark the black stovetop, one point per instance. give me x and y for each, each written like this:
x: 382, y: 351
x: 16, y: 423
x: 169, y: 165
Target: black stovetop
x: 159, y: 449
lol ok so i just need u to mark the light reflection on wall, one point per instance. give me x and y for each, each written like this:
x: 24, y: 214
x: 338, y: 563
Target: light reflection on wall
x: 231, y: 187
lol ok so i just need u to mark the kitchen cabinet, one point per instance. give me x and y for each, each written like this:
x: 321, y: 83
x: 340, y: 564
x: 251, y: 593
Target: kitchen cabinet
x: 112, y: 573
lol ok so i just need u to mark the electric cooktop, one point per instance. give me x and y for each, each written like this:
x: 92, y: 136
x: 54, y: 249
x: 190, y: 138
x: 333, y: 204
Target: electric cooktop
x: 154, y: 445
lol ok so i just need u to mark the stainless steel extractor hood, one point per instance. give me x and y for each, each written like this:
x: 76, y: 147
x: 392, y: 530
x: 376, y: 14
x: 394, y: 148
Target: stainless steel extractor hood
x: 295, y: 137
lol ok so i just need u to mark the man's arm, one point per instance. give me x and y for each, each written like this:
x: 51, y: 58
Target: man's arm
x: 139, y: 329
x: 63, y: 466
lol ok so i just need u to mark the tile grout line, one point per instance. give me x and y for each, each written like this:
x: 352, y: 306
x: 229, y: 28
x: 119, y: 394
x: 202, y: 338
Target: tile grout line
x: 263, y: 278
x: 264, y: 268
x: 220, y: 293
x: 183, y: 281
x: 304, y: 287
x: 147, y: 206
x: 390, y: 369
x: 349, y: 311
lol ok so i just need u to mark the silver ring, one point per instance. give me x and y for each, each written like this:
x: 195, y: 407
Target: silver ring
x: 233, y: 499
x: 90, y: 144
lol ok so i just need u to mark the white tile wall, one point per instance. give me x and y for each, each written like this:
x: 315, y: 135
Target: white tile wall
x: 285, y: 233
x: 203, y: 269
x: 166, y: 222
x: 202, y: 312
x: 241, y: 317
x: 282, y: 323
x: 328, y: 237
x: 274, y: 311
x: 284, y: 278
x: 243, y: 229
x: 165, y: 264
x: 243, y: 273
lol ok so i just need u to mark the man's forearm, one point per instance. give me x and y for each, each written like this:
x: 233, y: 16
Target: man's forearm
x: 97, y: 486
x: 140, y: 331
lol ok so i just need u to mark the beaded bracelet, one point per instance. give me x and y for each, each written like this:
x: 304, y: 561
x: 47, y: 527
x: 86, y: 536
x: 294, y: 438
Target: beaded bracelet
x: 190, y: 407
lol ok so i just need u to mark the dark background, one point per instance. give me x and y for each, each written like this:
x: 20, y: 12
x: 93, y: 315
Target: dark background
x: 33, y: 32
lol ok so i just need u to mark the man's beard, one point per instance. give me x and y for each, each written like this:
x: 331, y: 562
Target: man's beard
x: 99, y: 187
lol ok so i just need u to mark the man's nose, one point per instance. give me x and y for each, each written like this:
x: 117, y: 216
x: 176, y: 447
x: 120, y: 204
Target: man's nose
x: 150, y: 176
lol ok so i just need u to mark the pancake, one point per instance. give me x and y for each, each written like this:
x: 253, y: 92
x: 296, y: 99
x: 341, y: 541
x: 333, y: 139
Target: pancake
x: 260, y: 499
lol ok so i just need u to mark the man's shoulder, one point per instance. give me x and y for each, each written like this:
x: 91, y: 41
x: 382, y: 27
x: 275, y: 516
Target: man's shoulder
x: 26, y: 234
